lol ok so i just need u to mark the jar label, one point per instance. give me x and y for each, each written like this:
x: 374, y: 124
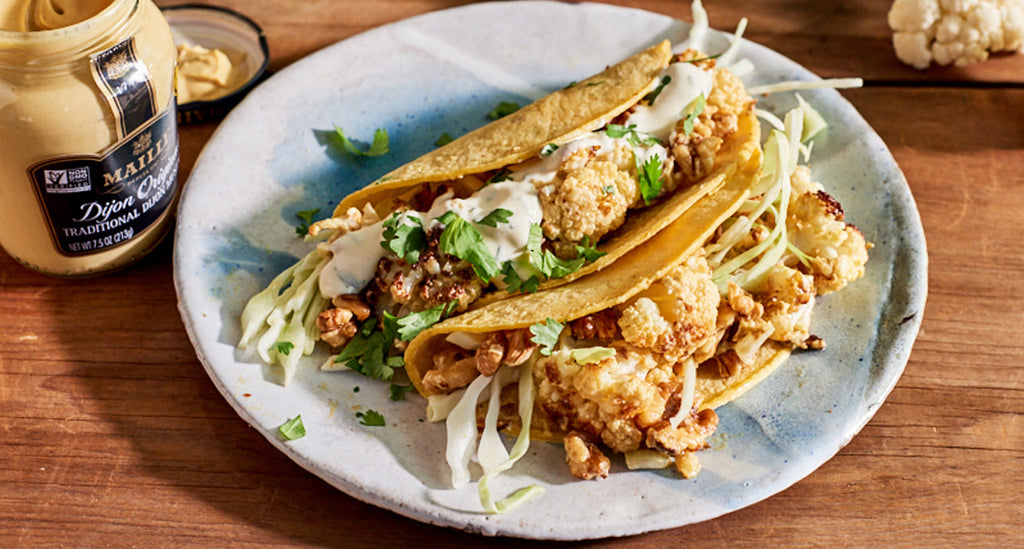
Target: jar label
x: 96, y: 202
x: 126, y: 85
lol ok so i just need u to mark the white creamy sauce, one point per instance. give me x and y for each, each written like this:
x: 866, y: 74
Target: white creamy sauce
x: 354, y: 258
x: 688, y: 82
x: 355, y: 254
x: 507, y: 241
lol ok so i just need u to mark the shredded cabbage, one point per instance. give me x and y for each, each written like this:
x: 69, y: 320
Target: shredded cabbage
x: 782, y: 153
x: 689, y: 391
x: 461, y: 428
x: 727, y: 57
x: 700, y: 26
x: 285, y: 313
x: 490, y: 452
x: 592, y: 355
x: 813, y: 123
x: 835, y: 83
x: 519, y: 448
x: 439, y: 407
x: 770, y: 118
x: 747, y: 347
x: 647, y: 459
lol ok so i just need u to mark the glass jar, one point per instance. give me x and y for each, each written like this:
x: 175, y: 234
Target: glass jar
x: 88, y: 137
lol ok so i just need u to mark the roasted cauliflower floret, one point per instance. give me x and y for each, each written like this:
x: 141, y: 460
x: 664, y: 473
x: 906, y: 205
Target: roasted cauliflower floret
x: 788, y: 297
x: 588, y: 197
x: 694, y: 152
x: 676, y: 315
x: 688, y: 436
x: 611, y: 400
x: 626, y: 401
x: 837, y: 251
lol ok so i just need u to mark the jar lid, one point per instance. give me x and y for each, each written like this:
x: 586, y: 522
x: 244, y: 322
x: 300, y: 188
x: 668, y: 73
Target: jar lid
x: 226, y: 55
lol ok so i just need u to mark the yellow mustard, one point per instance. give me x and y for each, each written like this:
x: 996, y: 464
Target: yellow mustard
x: 88, y: 139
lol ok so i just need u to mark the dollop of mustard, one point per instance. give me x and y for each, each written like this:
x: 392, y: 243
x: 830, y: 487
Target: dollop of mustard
x: 207, y: 74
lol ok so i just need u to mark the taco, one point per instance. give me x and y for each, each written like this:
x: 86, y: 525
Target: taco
x: 636, y: 357
x: 555, y: 191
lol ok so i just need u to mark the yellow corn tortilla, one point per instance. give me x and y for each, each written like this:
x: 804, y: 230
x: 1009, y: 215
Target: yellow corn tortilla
x: 642, y: 225
x: 614, y: 285
x: 559, y: 118
x: 555, y: 118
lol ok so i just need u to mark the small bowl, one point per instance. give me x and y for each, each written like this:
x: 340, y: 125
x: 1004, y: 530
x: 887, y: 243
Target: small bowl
x: 213, y: 27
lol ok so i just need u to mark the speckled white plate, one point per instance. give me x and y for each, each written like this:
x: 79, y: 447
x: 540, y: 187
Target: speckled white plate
x: 443, y: 72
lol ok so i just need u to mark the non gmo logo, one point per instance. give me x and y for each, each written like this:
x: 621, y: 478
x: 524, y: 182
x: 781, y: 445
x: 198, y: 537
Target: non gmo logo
x: 70, y: 180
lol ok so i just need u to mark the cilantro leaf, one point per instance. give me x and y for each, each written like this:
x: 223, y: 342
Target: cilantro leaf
x: 513, y: 282
x: 504, y: 108
x: 549, y: 264
x: 650, y: 177
x: 548, y: 150
x: 443, y: 140
x: 404, y: 239
x: 499, y: 215
x: 503, y: 174
x: 546, y: 335
x: 293, y: 428
x: 365, y: 353
x: 585, y: 250
x: 461, y: 239
x: 410, y: 325
x: 379, y: 146
x: 398, y: 391
x: 653, y: 95
x: 633, y: 137
x: 307, y: 219
x: 371, y: 418
x: 283, y: 347
x: 698, y: 107
x: 616, y: 131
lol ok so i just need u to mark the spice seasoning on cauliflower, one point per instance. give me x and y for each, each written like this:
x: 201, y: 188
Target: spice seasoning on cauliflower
x: 959, y: 32
x: 624, y: 378
x: 577, y: 193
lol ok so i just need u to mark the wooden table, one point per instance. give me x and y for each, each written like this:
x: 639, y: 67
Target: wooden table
x: 113, y: 434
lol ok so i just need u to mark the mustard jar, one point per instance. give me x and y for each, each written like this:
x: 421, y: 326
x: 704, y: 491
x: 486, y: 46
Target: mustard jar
x: 88, y: 135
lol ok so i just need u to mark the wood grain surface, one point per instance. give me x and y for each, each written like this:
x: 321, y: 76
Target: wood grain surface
x: 113, y: 435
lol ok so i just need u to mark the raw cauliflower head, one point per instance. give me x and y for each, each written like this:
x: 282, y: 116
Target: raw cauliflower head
x: 958, y: 32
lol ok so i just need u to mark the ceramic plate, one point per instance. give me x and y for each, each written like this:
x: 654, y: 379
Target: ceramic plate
x: 443, y: 72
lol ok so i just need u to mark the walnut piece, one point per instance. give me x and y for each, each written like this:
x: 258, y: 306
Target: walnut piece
x: 489, y: 355
x: 585, y: 459
x: 600, y: 325
x: 453, y: 368
x: 519, y: 348
x: 336, y: 326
